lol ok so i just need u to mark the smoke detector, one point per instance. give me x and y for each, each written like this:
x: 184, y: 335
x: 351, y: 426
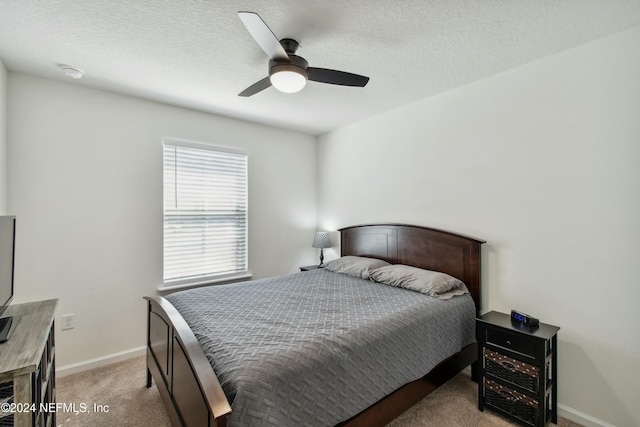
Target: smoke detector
x: 73, y: 72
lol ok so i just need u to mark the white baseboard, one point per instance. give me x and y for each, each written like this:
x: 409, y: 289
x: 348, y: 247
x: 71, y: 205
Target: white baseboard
x: 62, y: 371
x: 580, y: 417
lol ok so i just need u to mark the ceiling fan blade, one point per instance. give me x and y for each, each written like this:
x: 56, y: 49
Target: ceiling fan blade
x: 256, y: 87
x: 263, y: 35
x: 335, y: 77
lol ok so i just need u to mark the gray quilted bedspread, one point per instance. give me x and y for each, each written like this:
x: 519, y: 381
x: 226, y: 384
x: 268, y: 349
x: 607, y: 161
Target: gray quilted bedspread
x: 316, y: 348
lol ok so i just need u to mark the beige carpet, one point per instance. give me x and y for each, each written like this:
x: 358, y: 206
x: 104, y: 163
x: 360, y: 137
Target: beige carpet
x: 121, y: 388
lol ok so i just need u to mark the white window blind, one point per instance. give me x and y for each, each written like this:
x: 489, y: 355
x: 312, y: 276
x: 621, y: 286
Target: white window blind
x: 205, y: 212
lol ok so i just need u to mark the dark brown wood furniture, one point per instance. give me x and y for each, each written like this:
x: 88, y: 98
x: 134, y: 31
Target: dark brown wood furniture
x: 190, y: 389
x: 309, y: 267
x: 27, y: 366
x: 518, y: 369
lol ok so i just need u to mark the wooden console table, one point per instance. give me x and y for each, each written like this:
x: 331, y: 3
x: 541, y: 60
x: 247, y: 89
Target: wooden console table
x: 27, y: 366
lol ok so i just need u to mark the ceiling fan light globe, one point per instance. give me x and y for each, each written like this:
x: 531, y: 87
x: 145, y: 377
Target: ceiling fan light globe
x: 288, y: 81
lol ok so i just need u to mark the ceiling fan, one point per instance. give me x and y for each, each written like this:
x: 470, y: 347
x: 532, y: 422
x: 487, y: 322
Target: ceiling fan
x: 289, y: 72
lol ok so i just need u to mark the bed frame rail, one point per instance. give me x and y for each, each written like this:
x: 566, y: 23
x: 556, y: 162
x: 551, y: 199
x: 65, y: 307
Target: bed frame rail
x: 183, y: 375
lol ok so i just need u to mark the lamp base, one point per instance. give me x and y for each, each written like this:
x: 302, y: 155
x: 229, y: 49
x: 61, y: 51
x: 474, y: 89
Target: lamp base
x: 321, y: 258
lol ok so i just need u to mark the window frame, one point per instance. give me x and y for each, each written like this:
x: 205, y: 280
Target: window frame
x: 190, y: 281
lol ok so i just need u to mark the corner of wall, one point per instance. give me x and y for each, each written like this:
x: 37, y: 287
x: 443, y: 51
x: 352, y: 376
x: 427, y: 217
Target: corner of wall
x: 3, y: 139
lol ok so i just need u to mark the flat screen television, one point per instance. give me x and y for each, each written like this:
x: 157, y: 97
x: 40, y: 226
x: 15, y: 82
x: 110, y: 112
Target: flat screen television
x: 7, y: 255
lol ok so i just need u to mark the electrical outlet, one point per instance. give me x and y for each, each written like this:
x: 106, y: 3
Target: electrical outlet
x: 68, y: 321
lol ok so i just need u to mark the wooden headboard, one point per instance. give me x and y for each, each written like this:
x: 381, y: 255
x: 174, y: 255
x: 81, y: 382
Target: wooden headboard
x: 417, y: 246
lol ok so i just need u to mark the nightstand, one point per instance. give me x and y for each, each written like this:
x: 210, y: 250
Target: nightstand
x: 518, y: 369
x: 309, y: 268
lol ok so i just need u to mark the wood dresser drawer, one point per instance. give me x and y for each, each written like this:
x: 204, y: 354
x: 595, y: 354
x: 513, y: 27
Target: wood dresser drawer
x: 511, y: 341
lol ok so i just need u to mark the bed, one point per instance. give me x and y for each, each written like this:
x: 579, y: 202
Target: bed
x: 195, y: 394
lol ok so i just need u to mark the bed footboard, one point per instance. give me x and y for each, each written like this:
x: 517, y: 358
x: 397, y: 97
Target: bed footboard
x: 189, y: 388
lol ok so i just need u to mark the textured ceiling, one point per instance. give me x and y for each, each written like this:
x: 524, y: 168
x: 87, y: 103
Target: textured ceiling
x: 198, y: 54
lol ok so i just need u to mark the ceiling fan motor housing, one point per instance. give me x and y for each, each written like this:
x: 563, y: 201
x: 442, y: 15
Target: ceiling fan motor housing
x: 295, y: 63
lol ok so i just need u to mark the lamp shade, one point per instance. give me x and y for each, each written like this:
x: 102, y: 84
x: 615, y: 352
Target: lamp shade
x: 321, y: 240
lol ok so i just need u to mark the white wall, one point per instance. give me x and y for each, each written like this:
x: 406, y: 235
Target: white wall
x: 543, y: 162
x: 85, y: 173
x: 3, y: 139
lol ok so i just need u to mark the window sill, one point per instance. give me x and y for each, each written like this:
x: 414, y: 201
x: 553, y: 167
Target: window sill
x: 167, y: 289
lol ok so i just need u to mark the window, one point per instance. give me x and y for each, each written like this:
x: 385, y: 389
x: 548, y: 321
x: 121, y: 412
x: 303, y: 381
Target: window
x: 205, y: 212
